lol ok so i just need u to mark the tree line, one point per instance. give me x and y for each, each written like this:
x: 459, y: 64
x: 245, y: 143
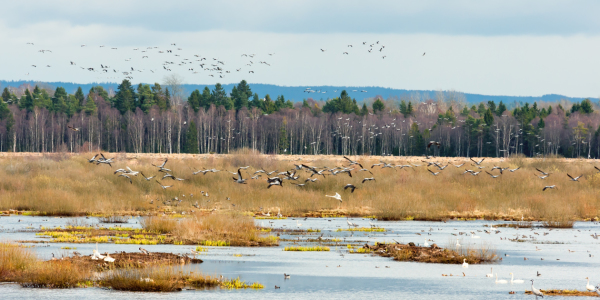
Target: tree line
x: 160, y: 119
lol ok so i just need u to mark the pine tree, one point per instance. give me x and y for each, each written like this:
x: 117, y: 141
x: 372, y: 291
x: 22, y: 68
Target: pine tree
x: 79, y: 97
x: 403, y: 108
x: 488, y: 117
x: 305, y: 104
x: 492, y: 106
x: 146, y: 97
x: 378, y: 106
x: 283, y: 142
x: 192, y: 139
x: 481, y: 109
x: 125, y: 97
x: 409, y: 109
x: 159, y: 97
x: 26, y: 101
x: 194, y: 100
x: 241, y: 94
x: 586, y: 106
x: 59, y: 103
x: 541, y: 124
x: 364, y: 110
x: 90, y: 106
x: 501, y: 109
x: 6, y: 95
x: 167, y: 99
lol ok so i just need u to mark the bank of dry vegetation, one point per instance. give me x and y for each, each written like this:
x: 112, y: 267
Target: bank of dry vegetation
x: 157, y: 272
x: 69, y: 185
x: 433, y: 253
x: 226, y: 228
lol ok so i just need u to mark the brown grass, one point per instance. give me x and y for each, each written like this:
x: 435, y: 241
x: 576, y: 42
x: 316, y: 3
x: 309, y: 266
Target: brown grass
x: 158, y: 225
x: 14, y: 259
x: 147, y: 280
x: 234, y: 228
x: 114, y: 219
x: 168, y: 279
x: 435, y: 254
x: 55, y: 274
x: 69, y: 185
x: 565, y: 293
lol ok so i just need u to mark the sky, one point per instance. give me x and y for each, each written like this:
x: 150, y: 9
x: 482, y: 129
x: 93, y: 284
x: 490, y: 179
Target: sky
x: 518, y: 48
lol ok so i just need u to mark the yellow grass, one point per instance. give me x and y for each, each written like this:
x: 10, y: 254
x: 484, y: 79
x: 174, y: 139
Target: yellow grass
x: 14, y: 259
x: 302, y: 249
x: 69, y: 185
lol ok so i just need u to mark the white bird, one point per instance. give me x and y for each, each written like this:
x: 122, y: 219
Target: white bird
x: 475, y: 236
x: 298, y: 224
x: 502, y: 281
x: 535, y: 291
x: 465, y: 264
x: 513, y: 281
x: 350, y: 223
x: 108, y: 258
x: 457, y: 244
x: 425, y: 244
x: 588, y: 286
x: 336, y: 196
x: 490, y: 274
x: 97, y: 255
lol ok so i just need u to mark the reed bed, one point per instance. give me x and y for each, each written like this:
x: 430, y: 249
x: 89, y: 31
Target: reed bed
x: 227, y: 229
x: 363, y: 229
x: 114, y: 219
x: 155, y: 274
x: 56, y: 274
x: 168, y: 279
x: 302, y: 249
x: 14, y: 259
x: 565, y: 293
x: 401, y: 252
x: 69, y: 185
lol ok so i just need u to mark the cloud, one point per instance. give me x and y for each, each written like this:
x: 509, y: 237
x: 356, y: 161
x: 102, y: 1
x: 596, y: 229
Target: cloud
x: 508, y: 17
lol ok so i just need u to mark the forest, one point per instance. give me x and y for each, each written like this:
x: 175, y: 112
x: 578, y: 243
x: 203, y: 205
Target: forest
x: 162, y: 119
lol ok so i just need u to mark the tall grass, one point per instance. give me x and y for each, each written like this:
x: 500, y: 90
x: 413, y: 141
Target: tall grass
x: 158, y: 224
x: 14, y: 259
x: 145, y: 280
x: 55, y: 274
x: 69, y: 185
x: 232, y: 229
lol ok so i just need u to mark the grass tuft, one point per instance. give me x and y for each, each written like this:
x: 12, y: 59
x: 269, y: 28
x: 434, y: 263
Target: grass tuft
x: 316, y: 248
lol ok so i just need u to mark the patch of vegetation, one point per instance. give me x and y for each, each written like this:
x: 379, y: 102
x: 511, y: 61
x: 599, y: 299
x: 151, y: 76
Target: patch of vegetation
x: 299, y: 248
x: 365, y: 229
x: 565, y: 293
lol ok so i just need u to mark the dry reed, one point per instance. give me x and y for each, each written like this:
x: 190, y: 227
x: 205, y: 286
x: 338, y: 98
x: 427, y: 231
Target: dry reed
x: 72, y: 186
x: 14, y: 259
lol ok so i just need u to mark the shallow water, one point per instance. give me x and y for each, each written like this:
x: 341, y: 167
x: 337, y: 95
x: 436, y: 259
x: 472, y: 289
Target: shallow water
x: 338, y: 274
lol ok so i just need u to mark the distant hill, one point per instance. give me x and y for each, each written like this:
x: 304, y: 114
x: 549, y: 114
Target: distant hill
x: 297, y: 93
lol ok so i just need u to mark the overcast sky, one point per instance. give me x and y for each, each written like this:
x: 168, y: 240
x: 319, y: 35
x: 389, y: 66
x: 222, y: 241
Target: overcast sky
x: 487, y: 47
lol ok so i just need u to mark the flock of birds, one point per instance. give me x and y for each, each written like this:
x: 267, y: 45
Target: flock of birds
x: 351, y: 169
x: 313, y: 173
x: 155, y: 59
x: 171, y: 56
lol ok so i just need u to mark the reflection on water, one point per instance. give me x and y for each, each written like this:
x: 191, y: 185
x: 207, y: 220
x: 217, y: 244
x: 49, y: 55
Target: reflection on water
x: 338, y: 274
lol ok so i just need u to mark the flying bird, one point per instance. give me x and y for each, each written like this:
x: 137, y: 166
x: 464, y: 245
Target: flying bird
x: 350, y: 186
x: 549, y: 187
x: 576, y: 178
x: 368, y: 179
